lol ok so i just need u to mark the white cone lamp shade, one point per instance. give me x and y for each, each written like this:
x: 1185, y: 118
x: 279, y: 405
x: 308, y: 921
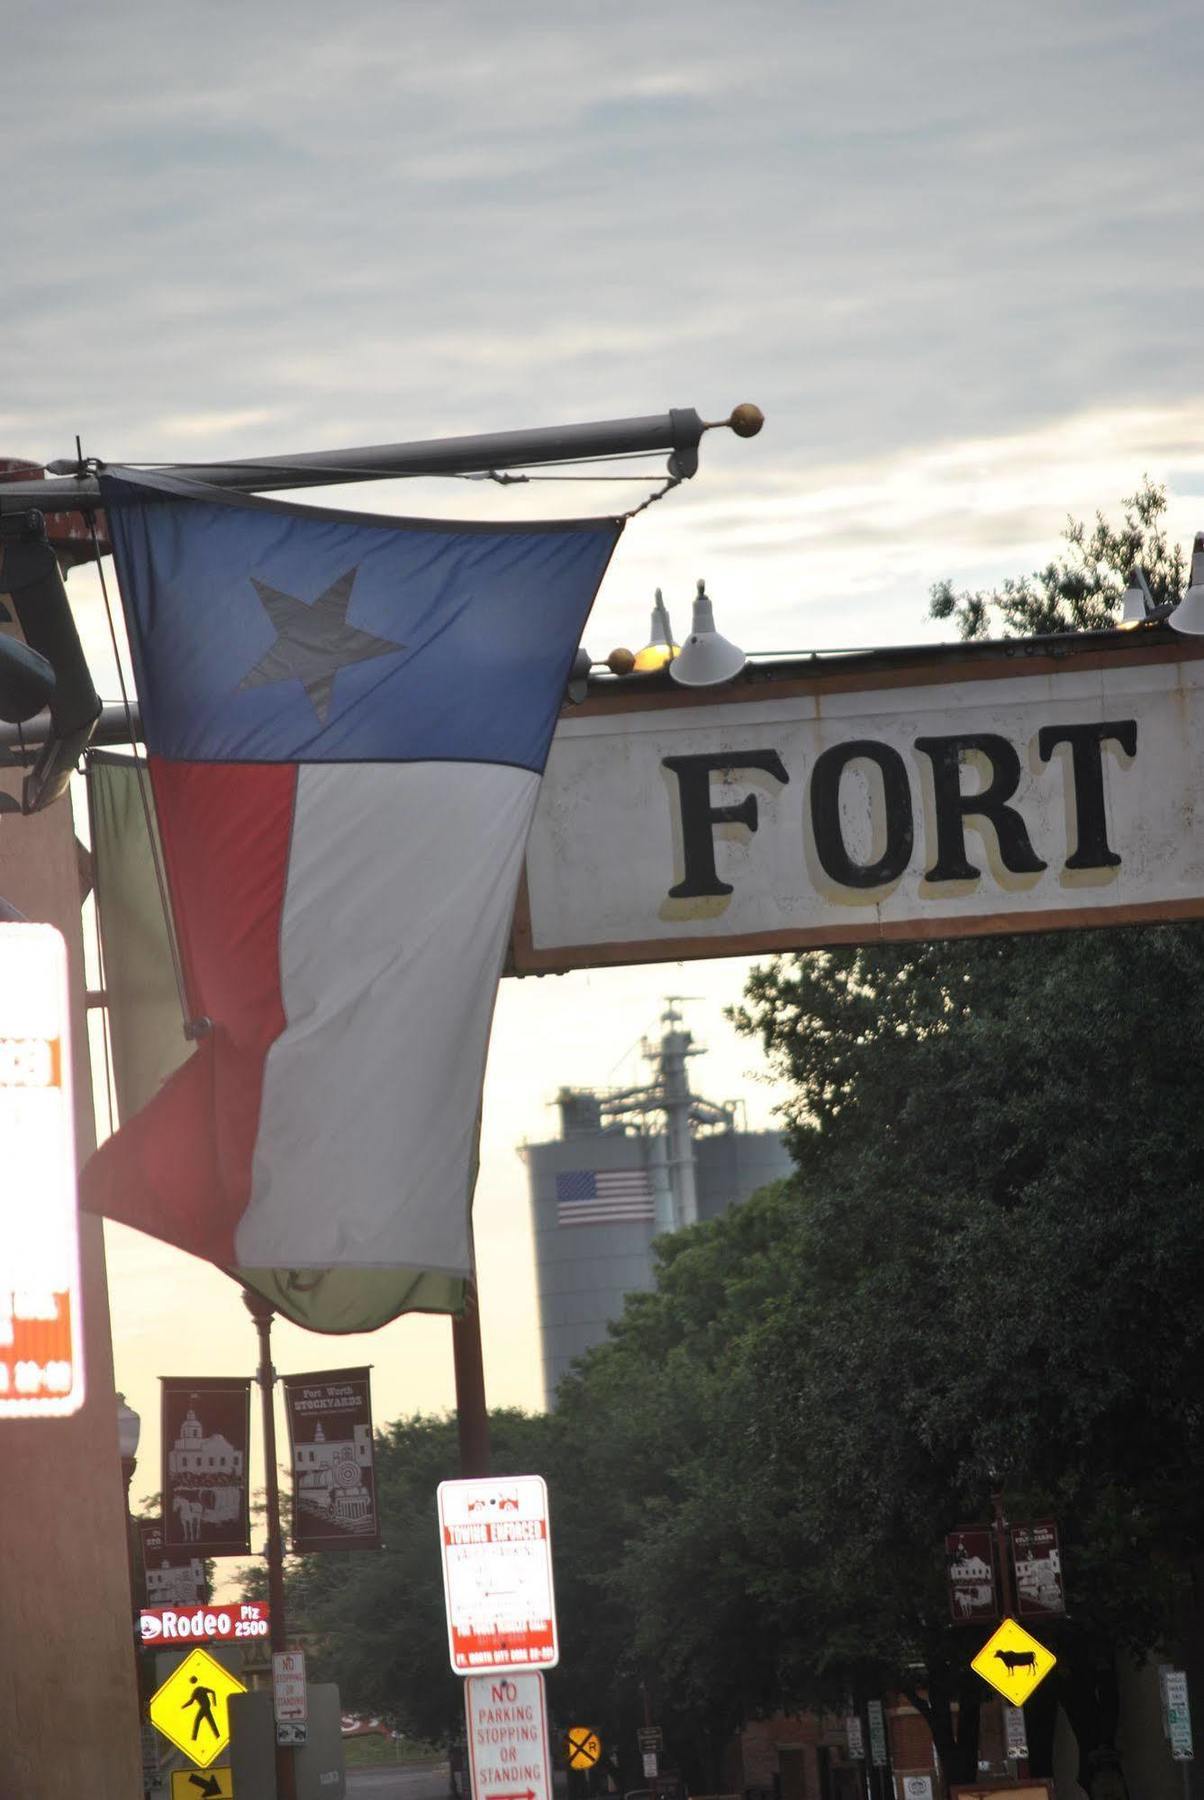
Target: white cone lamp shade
x: 660, y: 647
x: 1188, y: 616
x: 1138, y: 601
x: 706, y: 658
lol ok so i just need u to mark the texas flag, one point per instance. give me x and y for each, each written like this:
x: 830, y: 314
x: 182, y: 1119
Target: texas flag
x: 346, y: 720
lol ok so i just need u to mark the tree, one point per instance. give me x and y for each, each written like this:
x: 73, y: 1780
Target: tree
x: 1080, y: 590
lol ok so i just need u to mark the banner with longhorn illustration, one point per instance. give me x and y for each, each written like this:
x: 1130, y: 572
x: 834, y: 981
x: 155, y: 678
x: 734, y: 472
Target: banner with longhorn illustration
x: 206, y: 1431
x: 334, y: 1475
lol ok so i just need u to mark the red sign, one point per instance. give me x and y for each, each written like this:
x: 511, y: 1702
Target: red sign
x: 970, y: 1563
x: 165, y: 1625
x: 497, y: 1574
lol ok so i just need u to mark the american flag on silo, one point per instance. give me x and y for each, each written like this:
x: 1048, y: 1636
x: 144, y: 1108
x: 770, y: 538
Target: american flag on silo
x: 603, y: 1197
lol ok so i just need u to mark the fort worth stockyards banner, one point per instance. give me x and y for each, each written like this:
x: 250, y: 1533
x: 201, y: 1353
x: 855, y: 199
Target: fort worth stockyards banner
x: 206, y: 1428
x: 334, y: 1476
x: 923, y: 793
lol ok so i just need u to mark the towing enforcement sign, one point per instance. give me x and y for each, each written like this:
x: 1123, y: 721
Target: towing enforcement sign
x: 497, y: 1574
x: 508, y: 1752
x: 1013, y: 1662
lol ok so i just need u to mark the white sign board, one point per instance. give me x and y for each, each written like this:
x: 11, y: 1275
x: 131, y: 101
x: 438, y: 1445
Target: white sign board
x: 917, y: 1787
x: 41, y: 1348
x: 508, y: 1737
x: 929, y: 794
x: 1014, y: 1731
x: 289, y: 1700
x: 1176, y: 1713
x: 497, y: 1574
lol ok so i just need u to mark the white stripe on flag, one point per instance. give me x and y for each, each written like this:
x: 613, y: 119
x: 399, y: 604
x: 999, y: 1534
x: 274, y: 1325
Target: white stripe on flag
x: 401, y: 887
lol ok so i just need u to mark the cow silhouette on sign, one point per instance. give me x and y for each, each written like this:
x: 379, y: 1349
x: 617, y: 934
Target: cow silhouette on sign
x: 1017, y: 1659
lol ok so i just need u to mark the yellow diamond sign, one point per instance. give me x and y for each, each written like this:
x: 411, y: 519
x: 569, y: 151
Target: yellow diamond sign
x: 1013, y: 1662
x: 191, y: 1708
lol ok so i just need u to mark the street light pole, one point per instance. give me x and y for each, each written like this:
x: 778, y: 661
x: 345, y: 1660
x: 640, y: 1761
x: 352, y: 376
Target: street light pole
x: 1003, y: 1557
x: 261, y: 1311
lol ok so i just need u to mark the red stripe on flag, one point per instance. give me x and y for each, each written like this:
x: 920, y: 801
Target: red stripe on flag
x: 181, y: 1169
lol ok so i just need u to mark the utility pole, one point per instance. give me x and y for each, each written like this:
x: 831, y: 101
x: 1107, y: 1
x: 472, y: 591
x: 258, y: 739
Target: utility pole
x: 261, y: 1311
x: 1003, y: 1558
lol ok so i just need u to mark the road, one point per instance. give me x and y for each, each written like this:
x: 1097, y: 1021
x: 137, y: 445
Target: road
x: 424, y: 1781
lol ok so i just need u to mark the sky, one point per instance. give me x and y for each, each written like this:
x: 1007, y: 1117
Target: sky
x: 951, y: 250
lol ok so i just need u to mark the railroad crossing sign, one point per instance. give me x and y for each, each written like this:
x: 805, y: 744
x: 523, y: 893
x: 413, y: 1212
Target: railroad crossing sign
x: 214, y: 1784
x: 582, y: 1747
x: 191, y: 1709
x: 1013, y: 1662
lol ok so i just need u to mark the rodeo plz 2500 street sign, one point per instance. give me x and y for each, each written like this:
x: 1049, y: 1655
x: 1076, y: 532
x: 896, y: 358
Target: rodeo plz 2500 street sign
x: 905, y: 794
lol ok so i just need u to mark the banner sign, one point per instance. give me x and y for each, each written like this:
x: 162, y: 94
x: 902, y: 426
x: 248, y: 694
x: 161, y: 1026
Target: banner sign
x: 41, y: 1343
x: 916, y: 794
x: 163, y: 1626
x: 173, y: 1577
x: 334, y: 1479
x: 970, y: 1564
x: 497, y: 1574
x: 206, y: 1429
x: 1038, y: 1564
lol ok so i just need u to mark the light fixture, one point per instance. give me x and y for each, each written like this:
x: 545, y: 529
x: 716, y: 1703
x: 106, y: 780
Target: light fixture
x: 129, y: 1430
x: 1138, y: 602
x: 706, y: 658
x: 660, y: 648
x: 1188, y: 616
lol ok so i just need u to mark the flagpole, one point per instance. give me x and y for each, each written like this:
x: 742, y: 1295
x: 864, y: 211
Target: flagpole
x: 261, y: 1311
x: 472, y: 1412
x: 678, y: 431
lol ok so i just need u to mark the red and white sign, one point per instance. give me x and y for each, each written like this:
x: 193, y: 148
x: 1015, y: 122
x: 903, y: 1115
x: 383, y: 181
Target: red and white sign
x: 288, y: 1687
x: 163, y: 1625
x: 41, y: 1352
x: 508, y: 1737
x: 497, y: 1574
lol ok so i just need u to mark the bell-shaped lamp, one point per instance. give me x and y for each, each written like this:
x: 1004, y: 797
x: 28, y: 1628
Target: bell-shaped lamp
x: 1188, y: 616
x: 660, y: 648
x: 706, y: 658
x: 1138, y: 601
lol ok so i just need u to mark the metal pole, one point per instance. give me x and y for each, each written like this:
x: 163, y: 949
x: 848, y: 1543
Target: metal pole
x: 677, y: 431
x: 1003, y: 1552
x: 261, y: 1311
x: 472, y: 1412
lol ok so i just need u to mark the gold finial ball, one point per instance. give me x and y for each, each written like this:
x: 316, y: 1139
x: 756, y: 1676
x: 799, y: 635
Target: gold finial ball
x: 746, y: 419
x: 620, y: 661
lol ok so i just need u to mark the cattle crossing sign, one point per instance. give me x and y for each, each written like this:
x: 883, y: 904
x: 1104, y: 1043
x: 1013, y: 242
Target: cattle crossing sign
x: 1013, y: 1662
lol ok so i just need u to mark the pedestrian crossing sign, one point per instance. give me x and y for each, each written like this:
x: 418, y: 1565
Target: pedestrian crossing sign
x: 191, y: 1709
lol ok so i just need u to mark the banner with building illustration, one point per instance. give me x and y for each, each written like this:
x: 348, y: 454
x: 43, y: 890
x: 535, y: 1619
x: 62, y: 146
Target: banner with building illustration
x: 334, y: 1477
x: 206, y: 1427
x: 171, y: 1577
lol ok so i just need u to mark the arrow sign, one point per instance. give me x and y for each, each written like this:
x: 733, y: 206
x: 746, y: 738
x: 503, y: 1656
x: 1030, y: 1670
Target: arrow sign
x: 208, y: 1788
x: 528, y: 1794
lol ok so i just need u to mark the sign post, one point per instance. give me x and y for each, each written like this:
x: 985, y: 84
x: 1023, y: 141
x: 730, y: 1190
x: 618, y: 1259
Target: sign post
x: 290, y: 1703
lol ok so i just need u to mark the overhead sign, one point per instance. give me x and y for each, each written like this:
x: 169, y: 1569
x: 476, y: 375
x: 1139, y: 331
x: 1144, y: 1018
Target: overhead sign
x: 1037, y: 1560
x: 214, y: 1784
x: 1013, y: 1662
x: 508, y: 1752
x: 41, y: 1344
x: 191, y: 1709
x: 582, y: 1747
x: 334, y: 1478
x: 970, y: 1565
x: 893, y: 795
x: 497, y: 1574
x: 163, y: 1626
